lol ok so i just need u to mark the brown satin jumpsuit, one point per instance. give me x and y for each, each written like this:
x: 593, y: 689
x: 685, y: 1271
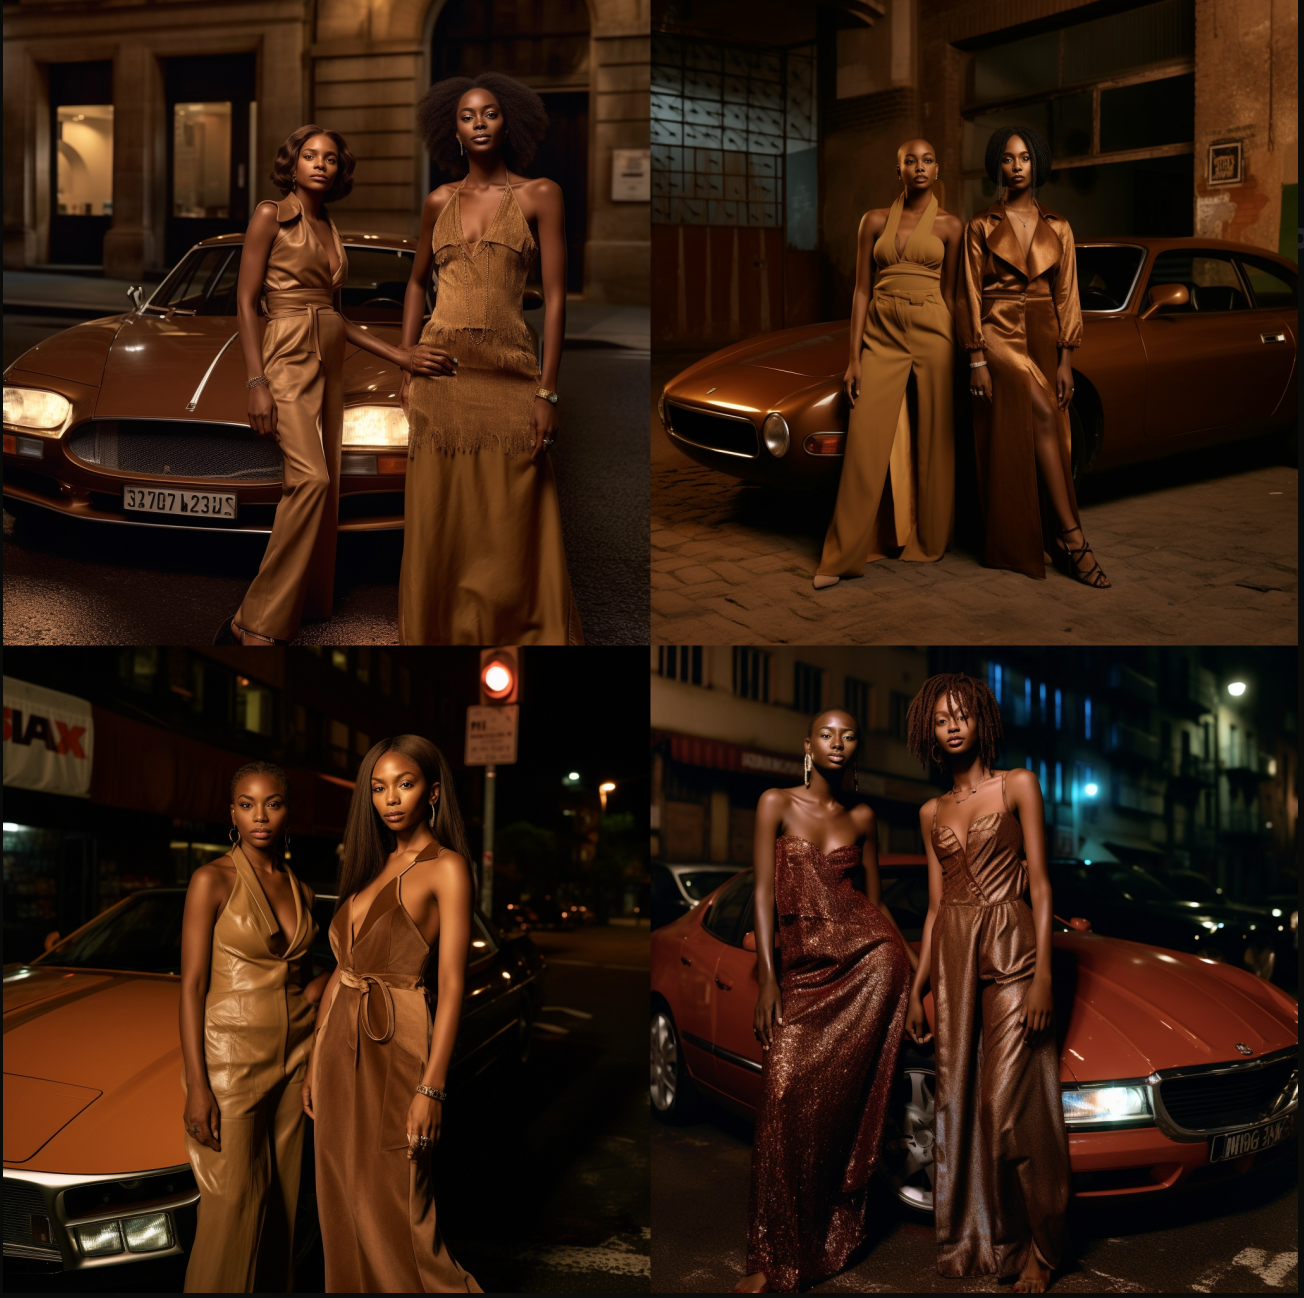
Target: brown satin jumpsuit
x: 907, y: 330
x: 1002, y: 1182
x: 303, y: 359
x: 257, y: 1036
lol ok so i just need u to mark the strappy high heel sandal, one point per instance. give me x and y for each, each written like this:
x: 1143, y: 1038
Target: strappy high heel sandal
x: 1095, y: 575
x: 228, y: 633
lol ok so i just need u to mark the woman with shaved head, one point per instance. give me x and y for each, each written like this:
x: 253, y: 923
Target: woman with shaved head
x: 901, y: 331
x: 830, y: 1028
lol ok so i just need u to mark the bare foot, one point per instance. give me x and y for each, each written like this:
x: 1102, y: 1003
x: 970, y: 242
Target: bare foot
x: 751, y: 1284
x: 1035, y: 1277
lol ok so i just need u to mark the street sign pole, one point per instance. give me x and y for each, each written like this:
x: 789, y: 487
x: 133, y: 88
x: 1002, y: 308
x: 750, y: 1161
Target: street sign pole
x: 487, y: 858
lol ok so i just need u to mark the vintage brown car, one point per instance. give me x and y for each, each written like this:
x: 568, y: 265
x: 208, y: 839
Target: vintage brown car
x: 140, y: 417
x: 1186, y: 342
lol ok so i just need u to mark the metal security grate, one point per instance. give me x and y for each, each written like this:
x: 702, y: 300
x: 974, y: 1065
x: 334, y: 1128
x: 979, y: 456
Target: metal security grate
x: 715, y: 432
x: 1225, y: 1099
x: 20, y: 1202
x: 178, y: 449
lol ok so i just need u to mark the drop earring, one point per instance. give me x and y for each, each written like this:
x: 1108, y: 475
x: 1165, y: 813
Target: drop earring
x: 806, y: 769
x: 285, y: 844
x: 434, y: 810
x: 461, y: 151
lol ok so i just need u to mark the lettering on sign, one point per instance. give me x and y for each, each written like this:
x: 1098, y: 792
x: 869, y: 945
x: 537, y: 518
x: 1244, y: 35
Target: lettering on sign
x: 491, y: 735
x: 48, y: 739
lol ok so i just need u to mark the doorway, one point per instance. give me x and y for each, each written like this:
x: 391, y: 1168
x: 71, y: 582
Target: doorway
x: 81, y: 162
x: 212, y: 125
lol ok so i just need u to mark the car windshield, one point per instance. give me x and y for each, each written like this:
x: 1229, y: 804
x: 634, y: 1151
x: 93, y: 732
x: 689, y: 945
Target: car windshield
x: 1107, y: 274
x: 701, y: 883
x: 1133, y: 883
x: 378, y: 278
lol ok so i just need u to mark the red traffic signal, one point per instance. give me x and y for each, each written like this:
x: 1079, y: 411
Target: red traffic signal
x: 500, y: 676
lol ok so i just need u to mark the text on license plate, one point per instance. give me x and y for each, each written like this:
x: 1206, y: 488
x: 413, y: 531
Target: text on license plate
x: 175, y: 500
x: 1236, y: 1144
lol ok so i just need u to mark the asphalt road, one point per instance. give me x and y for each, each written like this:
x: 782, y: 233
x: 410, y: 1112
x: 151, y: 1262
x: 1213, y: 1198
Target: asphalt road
x: 1240, y: 1237
x: 543, y: 1182
x: 74, y: 582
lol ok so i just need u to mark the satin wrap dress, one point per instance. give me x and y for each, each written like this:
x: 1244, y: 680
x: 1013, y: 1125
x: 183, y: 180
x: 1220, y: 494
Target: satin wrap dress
x: 379, y: 1230
x: 483, y: 556
x: 908, y: 331
x: 1018, y: 311
x: 257, y: 1036
x: 303, y: 360
x: 1002, y: 1170
x: 825, y: 1080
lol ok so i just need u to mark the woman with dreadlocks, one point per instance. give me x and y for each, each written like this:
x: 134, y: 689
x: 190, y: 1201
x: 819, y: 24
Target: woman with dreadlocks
x: 1002, y: 1171
x: 830, y: 1029
x: 483, y: 559
x: 1020, y: 321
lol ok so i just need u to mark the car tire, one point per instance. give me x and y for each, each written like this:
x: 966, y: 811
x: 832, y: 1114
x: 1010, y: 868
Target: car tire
x: 671, y: 1090
x: 908, y: 1163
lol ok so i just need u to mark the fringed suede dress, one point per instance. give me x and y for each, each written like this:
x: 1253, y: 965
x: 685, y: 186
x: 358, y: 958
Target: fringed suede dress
x: 483, y: 558
x: 826, y: 1077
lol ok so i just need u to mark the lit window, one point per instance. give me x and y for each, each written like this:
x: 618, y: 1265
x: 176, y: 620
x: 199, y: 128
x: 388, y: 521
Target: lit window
x: 85, y: 159
x: 1086, y: 718
x: 1059, y: 779
x: 1059, y: 702
x: 1042, y: 696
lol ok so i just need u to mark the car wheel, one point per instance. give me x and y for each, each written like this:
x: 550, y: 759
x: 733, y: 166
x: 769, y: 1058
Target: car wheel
x: 671, y: 1088
x: 909, y: 1156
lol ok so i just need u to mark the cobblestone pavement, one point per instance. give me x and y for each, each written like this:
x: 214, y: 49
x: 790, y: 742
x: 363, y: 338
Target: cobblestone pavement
x: 1202, y: 548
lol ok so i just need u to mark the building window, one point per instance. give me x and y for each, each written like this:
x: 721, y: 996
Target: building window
x: 362, y: 668
x: 994, y: 681
x: 859, y: 701
x: 338, y: 734
x: 340, y: 659
x: 680, y: 663
x: 1041, y: 694
x: 1059, y: 703
x: 807, y: 688
x: 898, y: 707
x: 361, y: 743
x: 138, y: 667
x: 254, y: 706
x: 1086, y: 718
x: 1045, y: 788
x: 751, y: 674
x: 1059, y: 781
x: 384, y: 674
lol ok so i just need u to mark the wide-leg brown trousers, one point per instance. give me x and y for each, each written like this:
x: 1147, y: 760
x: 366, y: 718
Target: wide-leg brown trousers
x: 907, y: 330
x: 303, y: 358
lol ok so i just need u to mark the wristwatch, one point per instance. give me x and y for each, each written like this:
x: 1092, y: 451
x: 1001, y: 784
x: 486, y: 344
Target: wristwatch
x: 546, y: 395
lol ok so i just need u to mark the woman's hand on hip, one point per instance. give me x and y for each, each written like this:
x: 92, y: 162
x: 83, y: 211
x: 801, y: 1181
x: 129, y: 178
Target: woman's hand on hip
x: 424, y: 1118
x: 543, y: 424
x: 851, y: 381
x: 429, y: 362
x: 203, y: 1119
x: 1064, y: 381
x: 262, y: 410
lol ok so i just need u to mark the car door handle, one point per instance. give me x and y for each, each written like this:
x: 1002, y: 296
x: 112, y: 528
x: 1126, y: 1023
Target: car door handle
x: 1272, y: 338
x: 683, y: 959
x: 722, y: 985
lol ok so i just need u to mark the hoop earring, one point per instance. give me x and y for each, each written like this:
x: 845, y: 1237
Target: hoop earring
x: 234, y: 835
x: 937, y: 756
x: 806, y: 770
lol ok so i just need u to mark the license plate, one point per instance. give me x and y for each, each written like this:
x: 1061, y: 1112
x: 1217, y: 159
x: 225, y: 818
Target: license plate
x: 177, y: 500
x: 1253, y: 1140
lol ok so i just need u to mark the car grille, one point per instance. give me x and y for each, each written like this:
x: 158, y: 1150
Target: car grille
x: 1232, y: 1099
x: 736, y: 436
x: 21, y: 1201
x: 164, y: 448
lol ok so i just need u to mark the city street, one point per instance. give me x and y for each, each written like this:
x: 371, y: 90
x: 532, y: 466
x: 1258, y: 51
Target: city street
x: 1200, y: 548
x: 1240, y: 1237
x: 72, y: 582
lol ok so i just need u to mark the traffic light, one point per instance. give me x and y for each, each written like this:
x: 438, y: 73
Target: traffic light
x: 500, y: 676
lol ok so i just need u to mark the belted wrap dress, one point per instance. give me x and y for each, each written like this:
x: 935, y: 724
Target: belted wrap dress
x: 1019, y: 311
x: 1002, y: 1170
x: 303, y: 360
x: 908, y: 330
x: 826, y: 1077
x: 483, y: 556
x: 377, y: 1207
x: 257, y: 1037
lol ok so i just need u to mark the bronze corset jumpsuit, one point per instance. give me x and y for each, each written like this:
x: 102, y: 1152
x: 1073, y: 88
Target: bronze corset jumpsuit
x: 1002, y: 1172
x: 377, y: 1207
x: 826, y: 1077
x: 257, y: 1036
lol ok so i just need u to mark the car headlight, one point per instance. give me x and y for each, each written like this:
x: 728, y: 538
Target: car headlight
x: 100, y: 1239
x: 775, y: 432
x: 34, y: 411
x: 375, y: 426
x: 1107, y: 1104
x: 148, y: 1234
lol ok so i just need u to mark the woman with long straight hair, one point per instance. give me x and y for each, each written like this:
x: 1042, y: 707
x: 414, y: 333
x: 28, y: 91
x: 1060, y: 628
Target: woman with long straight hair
x: 380, y: 1064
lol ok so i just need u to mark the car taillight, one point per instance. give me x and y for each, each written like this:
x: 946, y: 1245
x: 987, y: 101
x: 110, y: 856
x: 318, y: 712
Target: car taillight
x: 824, y: 443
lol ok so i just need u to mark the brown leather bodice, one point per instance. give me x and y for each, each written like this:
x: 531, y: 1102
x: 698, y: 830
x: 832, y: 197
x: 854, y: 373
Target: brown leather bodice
x: 988, y: 868
x: 297, y: 259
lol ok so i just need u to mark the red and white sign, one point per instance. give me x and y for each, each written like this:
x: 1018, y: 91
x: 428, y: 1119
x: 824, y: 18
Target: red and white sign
x: 48, y: 740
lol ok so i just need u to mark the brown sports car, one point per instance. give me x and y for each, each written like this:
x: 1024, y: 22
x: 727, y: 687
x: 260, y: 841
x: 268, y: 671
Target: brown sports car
x: 140, y: 417
x: 1186, y: 342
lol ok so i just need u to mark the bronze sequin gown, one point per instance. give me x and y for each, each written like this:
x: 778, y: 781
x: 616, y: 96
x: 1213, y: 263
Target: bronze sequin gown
x: 824, y: 1089
x: 376, y: 1206
x: 1002, y: 1173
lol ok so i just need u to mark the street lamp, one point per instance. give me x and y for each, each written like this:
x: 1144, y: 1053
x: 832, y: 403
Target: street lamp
x: 1091, y: 790
x: 603, y: 790
x: 573, y: 777
x: 1236, y: 689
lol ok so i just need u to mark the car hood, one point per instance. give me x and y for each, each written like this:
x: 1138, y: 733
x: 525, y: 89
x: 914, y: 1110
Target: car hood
x: 77, y: 354
x: 92, y: 1072
x: 1139, y: 1008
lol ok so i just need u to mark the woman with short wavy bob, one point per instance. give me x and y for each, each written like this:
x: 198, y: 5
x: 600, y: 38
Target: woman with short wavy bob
x: 483, y: 559
x: 292, y: 266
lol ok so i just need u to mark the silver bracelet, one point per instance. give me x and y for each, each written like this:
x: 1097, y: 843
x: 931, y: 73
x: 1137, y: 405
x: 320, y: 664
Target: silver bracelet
x: 977, y: 365
x: 254, y: 382
x: 434, y: 1092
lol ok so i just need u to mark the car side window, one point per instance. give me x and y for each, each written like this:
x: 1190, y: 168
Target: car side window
x: 730, y: 912
x: 1211, y: 279
x: 483, y: 942
x: 203, y: 284
x: 1271, y: 285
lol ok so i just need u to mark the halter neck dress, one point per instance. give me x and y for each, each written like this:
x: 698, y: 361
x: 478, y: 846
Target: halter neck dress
x: 483, y: 556
x: 908, y: 332
x: 1002, y: 1171
x: 826, y: 1077
x: 257, y: 1035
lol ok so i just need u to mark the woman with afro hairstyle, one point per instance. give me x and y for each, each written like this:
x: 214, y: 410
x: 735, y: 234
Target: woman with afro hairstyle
x: 292, y: 266
x: 1020, y: 323
x: 483, y: 559
x: 1001, y: 1183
